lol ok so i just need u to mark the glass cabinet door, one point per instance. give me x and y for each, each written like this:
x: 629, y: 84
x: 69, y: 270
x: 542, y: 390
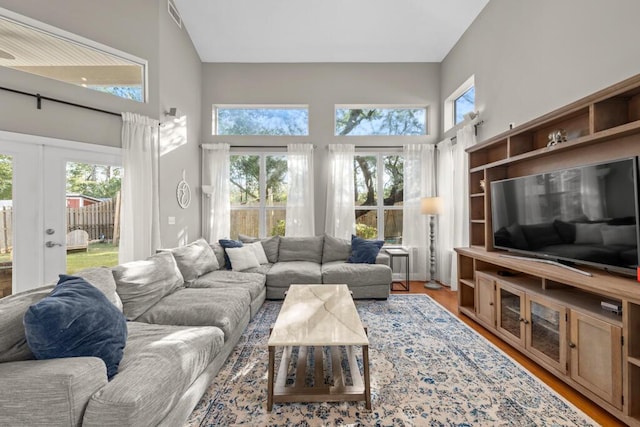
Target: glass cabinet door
x: 511, y: 321
x: 547, y: 331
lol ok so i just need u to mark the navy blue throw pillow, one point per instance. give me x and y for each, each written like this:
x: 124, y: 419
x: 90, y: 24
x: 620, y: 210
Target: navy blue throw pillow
x: 227, y: 243
x: 76, y: 320
x: 364, y: 251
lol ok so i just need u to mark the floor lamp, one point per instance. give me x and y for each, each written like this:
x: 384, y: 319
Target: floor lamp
x: 431, y: 206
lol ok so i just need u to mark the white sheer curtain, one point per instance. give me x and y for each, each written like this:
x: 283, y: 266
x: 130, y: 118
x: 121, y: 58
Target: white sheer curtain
x: 216, y: 219
x: 140, y: 205
x: 419, y: 182
x: 453, y: 187
x: 340, y: 215
x: 300, y: 218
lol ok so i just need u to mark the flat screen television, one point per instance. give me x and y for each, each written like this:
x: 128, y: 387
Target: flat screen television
x: 582, y: 215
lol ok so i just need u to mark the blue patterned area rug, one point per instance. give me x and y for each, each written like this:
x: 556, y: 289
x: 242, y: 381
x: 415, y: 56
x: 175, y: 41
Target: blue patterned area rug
x: 427, y: 369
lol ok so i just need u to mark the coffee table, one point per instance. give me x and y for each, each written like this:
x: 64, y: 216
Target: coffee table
x: 312, y: 318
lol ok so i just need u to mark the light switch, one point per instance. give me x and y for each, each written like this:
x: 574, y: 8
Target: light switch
x: 172, y: 220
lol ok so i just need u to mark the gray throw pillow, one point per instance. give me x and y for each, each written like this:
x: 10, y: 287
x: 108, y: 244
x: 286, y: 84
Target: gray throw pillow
x: 195, y: 259
x: 218, y: 250
x: 335, y: 249
x: 301, y: 249
x: 271, y: 245
x: 102, y: 278
x: 141, y: 284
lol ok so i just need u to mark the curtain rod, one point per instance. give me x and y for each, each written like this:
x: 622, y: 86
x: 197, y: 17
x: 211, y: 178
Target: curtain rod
x: 39, y: 99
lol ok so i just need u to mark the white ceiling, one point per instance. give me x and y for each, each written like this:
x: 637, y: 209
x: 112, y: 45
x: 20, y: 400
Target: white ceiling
x: 326, y: 30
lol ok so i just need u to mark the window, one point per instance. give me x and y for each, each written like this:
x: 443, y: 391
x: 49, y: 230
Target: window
x: 464, y: 104
x: 379, y: 196
x: 258, y: 191
x: 279, y: 120
x: 37, y: 48
x: 372, y: 120
x: 459, y: 103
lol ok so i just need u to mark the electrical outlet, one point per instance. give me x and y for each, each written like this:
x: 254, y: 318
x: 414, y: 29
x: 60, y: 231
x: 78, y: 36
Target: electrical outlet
x: 172, y: 220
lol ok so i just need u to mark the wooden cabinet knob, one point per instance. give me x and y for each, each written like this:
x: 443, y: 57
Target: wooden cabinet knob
x: 572, y: 345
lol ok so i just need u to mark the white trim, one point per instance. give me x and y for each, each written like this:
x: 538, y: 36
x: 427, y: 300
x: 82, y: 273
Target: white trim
x: 449, y: 110
x: 60, y: 143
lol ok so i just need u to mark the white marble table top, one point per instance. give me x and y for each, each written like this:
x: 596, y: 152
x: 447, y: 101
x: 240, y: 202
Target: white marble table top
x: 318, y: 315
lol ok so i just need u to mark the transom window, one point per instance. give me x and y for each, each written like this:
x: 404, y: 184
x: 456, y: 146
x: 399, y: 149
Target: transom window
x: 459, y: 103
x: 465, y: 103
x: 380, y: 120
x: 258, y: 191
x: 33, y: 47
x: 279, y: 120
x: 379, y: 188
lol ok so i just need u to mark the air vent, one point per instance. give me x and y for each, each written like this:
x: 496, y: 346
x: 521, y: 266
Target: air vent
x: 173, y: 12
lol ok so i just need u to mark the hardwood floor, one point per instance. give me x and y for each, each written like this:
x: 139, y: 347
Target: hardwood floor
x: 449, y: 300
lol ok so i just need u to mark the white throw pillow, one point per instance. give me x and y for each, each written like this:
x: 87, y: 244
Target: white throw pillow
x: 258, y: 251
x: 242, y: 258
x: 589, y: 234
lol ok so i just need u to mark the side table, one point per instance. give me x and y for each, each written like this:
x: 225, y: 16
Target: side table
x: 399, y: 253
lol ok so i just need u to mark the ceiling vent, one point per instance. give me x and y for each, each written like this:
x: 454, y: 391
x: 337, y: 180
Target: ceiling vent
x: 173, y: 12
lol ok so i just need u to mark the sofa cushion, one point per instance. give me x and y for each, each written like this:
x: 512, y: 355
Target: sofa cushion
x: 102, y: 278
x: 76, y: 320
x: 356, y: 275
x: 619, y: 235
x: 589, y: 234
x: 225, y: 279
x: 364, y: 251
x: 258, y: 251
x: 226, y: 244
x: 224, y: 308
x: 160, y: 363
x: 540, y: 235
x: 335, y: 249
x: 242, y: 258
x: 218, y: 250
x: 271, y: 245
x: 283, y: 274
x: 141, y: 284
x: 194, y: 259
x: 301, y: 249
x: 13, y: 342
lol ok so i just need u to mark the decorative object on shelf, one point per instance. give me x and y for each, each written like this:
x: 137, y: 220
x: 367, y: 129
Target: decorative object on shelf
x: 183, y: 192
x: 483, y: 185
x: 431, y: 206
x: 557, y: 136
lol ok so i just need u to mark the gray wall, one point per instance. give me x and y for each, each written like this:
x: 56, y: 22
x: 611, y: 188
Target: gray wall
x: 141, y: 28
x: 321, y: 86
x: 531, y: 57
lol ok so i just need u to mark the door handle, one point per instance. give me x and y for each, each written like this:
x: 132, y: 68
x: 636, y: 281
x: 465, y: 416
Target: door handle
x: 51, y: 244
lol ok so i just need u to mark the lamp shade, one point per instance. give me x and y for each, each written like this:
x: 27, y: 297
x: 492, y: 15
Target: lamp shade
x: 431, y: 205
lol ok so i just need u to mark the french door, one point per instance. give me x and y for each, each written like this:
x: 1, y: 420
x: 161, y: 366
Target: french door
x: 34, y: 235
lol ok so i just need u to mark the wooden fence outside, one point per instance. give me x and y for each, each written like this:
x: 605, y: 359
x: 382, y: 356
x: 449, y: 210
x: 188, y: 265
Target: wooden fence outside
x: 98, y: 220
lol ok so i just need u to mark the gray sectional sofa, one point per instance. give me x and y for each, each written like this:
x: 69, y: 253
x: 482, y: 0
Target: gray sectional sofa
x: 184, y: 316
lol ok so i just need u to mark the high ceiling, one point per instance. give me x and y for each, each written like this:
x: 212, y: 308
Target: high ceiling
x: 326, y: 30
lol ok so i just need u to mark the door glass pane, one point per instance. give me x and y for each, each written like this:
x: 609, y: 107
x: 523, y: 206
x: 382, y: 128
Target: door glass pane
x: 393, y: 184
x: 277, y: 181
x: 367, y: 223
x: 510, y: 312
x: 365, y: 180
x: 92, y: 193
x: 6, y: 224
x: 275, y: 222
x: 244, y: 221
x: 545, y: 330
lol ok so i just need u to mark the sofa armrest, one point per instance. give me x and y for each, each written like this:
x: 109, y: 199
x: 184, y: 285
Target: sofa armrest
x: 49, y: 392
x: 383, y: 258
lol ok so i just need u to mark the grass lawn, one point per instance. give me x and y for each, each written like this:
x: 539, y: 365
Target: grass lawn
x: 98, y: 255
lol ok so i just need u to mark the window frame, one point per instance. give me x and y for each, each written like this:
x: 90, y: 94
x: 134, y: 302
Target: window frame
x: 262, y: 208
x: 380, y: 208
x: 337, y: 107
x: 216, y: 107
x: 450, y: 103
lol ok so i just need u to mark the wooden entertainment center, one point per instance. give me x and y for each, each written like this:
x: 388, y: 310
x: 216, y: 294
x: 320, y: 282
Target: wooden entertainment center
x: 551, y: 314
